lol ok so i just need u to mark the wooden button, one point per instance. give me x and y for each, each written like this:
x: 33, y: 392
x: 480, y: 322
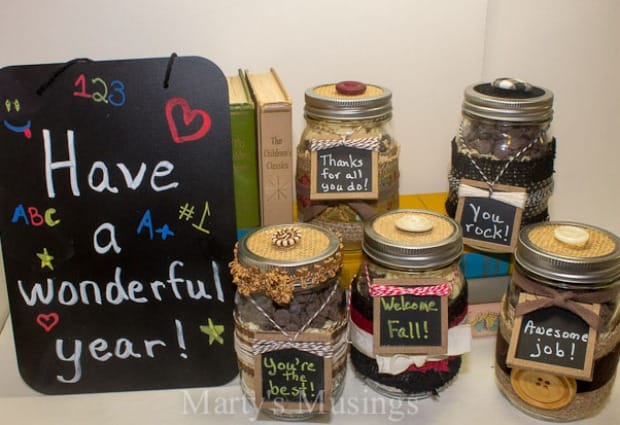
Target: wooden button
x: 542, y: 389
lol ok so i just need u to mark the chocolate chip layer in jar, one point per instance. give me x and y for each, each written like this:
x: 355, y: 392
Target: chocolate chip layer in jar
x: 408, y: 304
x: 505, y: 140
x: 290, y: 319
x: 558, y: 342
x: 347, y: 158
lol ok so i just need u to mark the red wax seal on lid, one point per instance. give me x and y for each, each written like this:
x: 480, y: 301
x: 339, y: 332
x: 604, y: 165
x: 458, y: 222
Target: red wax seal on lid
x: 350, y: 87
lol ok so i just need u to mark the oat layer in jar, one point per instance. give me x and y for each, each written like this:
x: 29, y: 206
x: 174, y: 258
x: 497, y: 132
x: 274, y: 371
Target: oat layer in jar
x: 558, y: 342
x: 347, y: 158
x: 505, y: 138
x: 290, y: 319
x: 408, y: 304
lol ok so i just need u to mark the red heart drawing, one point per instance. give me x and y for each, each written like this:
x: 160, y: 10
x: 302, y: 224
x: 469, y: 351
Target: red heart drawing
x: 189, y: 115
x: 48, y: 321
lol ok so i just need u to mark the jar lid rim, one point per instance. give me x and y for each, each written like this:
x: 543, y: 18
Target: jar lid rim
x: 486, y: 100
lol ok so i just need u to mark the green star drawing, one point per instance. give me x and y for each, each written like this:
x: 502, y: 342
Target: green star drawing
x: 46, y: 259
x: 214, y: 332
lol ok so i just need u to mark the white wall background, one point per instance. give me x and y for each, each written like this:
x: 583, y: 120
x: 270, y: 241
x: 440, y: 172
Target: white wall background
x: 425, y: 51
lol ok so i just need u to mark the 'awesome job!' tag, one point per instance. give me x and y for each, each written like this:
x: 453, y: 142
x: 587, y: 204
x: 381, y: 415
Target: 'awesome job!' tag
x: 344, y: 171
x: 489, y: 222
x: 117, y: 223
x: 292, y: 378
x: 553, y: 340
x: 409, y: 323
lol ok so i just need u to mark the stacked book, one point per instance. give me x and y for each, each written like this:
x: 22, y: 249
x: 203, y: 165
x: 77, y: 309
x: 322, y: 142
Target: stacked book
x: 261, y: 129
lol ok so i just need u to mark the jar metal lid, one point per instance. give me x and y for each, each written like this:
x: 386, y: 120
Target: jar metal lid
x: 591, y: 262
x: 508, y: 99
x: 259, y: 248
x: 326, y: 102
x: 395, y: 240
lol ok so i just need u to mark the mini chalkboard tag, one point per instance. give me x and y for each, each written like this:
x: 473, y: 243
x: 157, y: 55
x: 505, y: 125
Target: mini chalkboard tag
x: 293, y: 375
x: 554, y: 340
x: 410, y: 316
x: 117, y: 223
x: 344, y: 169
x: 490, y: 220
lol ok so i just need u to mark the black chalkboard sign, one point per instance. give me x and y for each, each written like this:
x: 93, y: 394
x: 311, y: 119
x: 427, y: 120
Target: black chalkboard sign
x: 117, y: 223
x: 487, y: 222
x: 409, y: 324
x: 344, y: 172
x: 293, y: 379
x: 555, y: 340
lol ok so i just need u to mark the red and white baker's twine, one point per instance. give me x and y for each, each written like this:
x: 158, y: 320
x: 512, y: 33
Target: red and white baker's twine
x: 442, y: 290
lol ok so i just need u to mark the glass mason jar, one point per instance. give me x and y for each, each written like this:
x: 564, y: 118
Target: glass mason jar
x: 559, y: 265
x: 413, y: 249
x: 290, y: 319
x: 505, y: 138
x: 347, y: 158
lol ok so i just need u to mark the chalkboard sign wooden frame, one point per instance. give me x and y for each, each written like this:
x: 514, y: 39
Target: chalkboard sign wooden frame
x: 345, y: 178
x: 408, y: 318
x: 116, y: 240
x: 320, y: 404
x: 516, y: 357
x: 486, y: 237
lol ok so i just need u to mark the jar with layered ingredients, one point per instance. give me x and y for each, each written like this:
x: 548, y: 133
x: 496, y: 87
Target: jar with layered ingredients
x: 558, y: 342
x: 347, y: 158
x: 408, y: 304
x: 505, y: 144
x: 290, y: 319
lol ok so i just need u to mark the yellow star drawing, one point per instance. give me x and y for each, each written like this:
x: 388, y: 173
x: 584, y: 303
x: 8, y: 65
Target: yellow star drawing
x: 46, y: 259
x: 214, y: 332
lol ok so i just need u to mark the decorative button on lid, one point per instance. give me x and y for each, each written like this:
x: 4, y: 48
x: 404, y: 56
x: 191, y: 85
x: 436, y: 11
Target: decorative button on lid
x: 412, y: 239
x: 513, y: 84
x: 543, y: 390
x: 572, y: 235
x: 414, y: 223
x: 350, y: 88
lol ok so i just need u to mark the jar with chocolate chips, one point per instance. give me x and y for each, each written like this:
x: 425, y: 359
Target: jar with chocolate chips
x: 347, y: 158
x: 408, y: 304
x: 505, y: 139
x: 290, y: 319
x: 558, y: 342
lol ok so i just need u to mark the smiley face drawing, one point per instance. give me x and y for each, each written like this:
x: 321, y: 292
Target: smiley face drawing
x: 15, y: 105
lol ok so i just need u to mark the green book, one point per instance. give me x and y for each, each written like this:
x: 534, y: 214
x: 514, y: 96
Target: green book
x: 244, y: 150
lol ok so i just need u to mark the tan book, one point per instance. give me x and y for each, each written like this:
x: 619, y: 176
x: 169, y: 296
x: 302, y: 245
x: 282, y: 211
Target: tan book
x: 275, y: 147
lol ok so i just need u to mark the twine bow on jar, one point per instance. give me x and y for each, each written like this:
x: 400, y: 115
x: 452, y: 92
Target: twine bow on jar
x: 564, y: 299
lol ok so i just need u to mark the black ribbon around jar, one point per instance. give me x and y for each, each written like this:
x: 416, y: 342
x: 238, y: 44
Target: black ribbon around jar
x: 565, y: 299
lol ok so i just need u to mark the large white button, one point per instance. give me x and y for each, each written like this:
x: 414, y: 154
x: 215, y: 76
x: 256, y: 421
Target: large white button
x: 414, y: 223
x: 571, y: 235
